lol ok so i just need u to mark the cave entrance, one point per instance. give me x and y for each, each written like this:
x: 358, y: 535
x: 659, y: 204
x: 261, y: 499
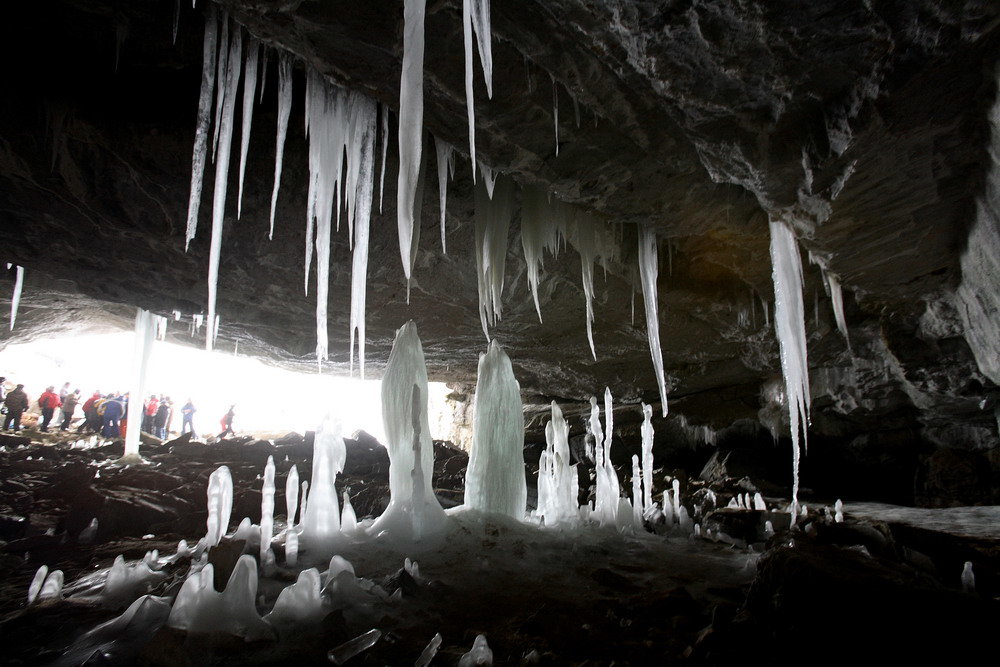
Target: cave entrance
x: 270, y: 401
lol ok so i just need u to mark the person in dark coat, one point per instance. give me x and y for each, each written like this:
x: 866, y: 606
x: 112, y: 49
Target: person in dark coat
x: 160, y: 419
x: 68, y: 408
x: 16, y: 402
x: 227, y: 423
x: 114, y: 408
x: 188, y: 413
x: 48, y: 402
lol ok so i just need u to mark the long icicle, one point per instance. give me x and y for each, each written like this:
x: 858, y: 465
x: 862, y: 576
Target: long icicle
x: 222, y: 66
x: 789, y: 325
x: 366, y: 115
x: 222, y: 177
x: 204, y: 119
x: 649, y: 271
x: 411, y: 125
x: 284, y: 112
x: 385, y: 151
x: 445, y: 165
x: 476, y: 18
x: 249, y: 92
x: 15, y: 299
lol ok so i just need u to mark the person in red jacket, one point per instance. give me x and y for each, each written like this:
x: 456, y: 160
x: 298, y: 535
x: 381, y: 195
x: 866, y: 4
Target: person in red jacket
x: 48, y: 402
x: 152, y: 405
x: 91, y: 420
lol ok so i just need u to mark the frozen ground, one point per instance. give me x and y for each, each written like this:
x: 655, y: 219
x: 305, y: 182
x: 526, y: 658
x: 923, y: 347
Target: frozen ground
x: 970, y: 521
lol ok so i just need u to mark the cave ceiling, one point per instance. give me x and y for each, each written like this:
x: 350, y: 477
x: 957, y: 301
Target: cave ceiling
x: 861, y: 123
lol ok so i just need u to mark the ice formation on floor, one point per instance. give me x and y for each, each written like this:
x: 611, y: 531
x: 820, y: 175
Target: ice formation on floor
x: 354, y: 647
x: 321, y: 516
x: 476, y: 17
x: 494, y: 480
x: 427, y: 655
x: 284, y: 112
x: 224, y: 128
x: 145, y: 325
x: 299, y: 604
x: 558, y: 484
x: 493, y: 217
x: 648, y: 272
x: 413, y: 510
x: 968, y: 578
x: 411, y: 128
x: 200, y: 608
x: 249, y: 89
x: 125, y: 583
x: 555, y: 111
x: 15, y: 299
x: 267, y: 508
x: 204, y: 119
x: 220, y: 505
x: 789, y: 325
x: 445, y: 170
x: 479, y: 654
x: 646, y: 433
x: 292, y: 495
x: 609, y: 508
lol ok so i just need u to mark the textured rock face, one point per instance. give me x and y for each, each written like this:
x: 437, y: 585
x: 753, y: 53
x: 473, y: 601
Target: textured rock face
x: 863, y: 124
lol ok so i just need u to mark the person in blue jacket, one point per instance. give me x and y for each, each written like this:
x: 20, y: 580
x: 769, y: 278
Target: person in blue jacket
x: 114, y: 409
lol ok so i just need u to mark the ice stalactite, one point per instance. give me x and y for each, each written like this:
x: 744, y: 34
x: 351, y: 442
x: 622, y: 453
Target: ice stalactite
x: 220, y: 505
x: 222, y: 174
x: 494, y: 480
x: 267, y: 509
x: 558, y: 485
x: 555, y: 111
x: 413, y: 511
x: 177, y: 19
x: 160, y: 324
x: 489, y: 177
x: 476, y: 18
x: 291, y: 495
x: 445, y: 169
x: 249, y: 92
x: 145, y: 326
x: 648, y: 272
x: 204, y: 120
x: 789, y: 325
x: 200, y: 608
x: 539, y: 231
x: 411, y: 128
x: 837, y: 299
x: 385, y: 150
x: 646, y: 433
x: 321, y: 515
x: 493, y: 217
x: 222, y: 64
x: 593, y: 240
x: 15, y: 299
x: 338, y: 123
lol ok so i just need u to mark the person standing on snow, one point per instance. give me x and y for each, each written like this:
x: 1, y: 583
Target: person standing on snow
x: 48, y: 402
x: 16, y: 402
x: 227, y: 423
x: 68, y: 408
x: 188, y: 413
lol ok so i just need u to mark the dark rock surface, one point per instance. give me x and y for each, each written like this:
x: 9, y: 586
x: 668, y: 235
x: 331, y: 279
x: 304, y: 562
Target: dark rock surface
x: 863, y: 124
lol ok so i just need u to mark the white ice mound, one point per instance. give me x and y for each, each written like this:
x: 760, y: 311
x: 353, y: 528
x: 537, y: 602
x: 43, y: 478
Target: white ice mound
x: 558, y: 485
x: 200, y: 608
x: 125, y: 583
x: 321, y: 515
x: 494, y: 480
x: 413, y: 511
x: 299, y: 604
x: 220, y: 505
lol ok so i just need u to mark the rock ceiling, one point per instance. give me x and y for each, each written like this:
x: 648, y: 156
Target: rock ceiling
x: 863, y: 124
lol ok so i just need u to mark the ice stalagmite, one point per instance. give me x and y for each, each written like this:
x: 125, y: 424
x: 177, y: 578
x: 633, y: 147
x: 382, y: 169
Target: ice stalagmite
x: 558, y: 485
x: 789, y: 325
x: 249, y: 90
x: 493, y: 216
x: 204, y: 120
x: 220, y: 505
x: 321, y: 515
x: 494, y: 480
x: 284, y: 112
x: 15, y: 299
x: 648, y: 272
x: 267, y: 508
x: 145, y: 326
x: 291, y: 495
x: 222, y: 175
x: 607, y: 502
x: 646, y: 432
x: 445, y: 168
x: 200, y: 608
x: 412, y: 512
x: 411, y: 126
x: 476, y: 17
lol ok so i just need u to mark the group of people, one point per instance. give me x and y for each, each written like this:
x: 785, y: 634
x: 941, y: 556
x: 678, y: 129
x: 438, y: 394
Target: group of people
x: 104, y: 414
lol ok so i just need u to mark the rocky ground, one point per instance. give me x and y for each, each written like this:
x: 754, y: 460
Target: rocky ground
x: 846, y: 590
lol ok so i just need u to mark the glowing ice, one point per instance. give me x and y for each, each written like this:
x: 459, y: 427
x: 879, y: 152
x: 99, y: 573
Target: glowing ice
x: 267, y: 508
x: 494, y: 480
x: 291, y: 495
x: 648, y: 271
x: 476, y: 17
x: 249, y: 88
x: 284, y: 111
x: 52, y: 588
x: 356, y: 646
x: 411, y: 127
x: 300, y: 603
x: 758, y: 502
x: 838, y: 508
x: 558, y: 485
x: 607, y: 502
x: 413, y: 510
x: 15, y: 300
x: 143, y: 344
x: 125, y: 583
x: 36, y: 583
x: 199, y: 608
x: 646, y: 432
x: 427, y: 655
x: 291, y: 547
x: 493, y: 217
x: 539, y: 231
x: 789, y: 325
x: 445, y: 168
x: 480, y: 654
x: 204, y: 120
x: 968, y: 578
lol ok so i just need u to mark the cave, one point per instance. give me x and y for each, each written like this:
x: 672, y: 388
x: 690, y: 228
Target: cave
x: 703, y: 295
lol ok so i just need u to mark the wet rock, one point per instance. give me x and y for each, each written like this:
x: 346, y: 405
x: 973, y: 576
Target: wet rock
x: 951, y: 477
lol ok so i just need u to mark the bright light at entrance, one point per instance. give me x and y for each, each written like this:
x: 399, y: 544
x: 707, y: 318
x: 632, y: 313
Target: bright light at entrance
x: 268, y: 400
